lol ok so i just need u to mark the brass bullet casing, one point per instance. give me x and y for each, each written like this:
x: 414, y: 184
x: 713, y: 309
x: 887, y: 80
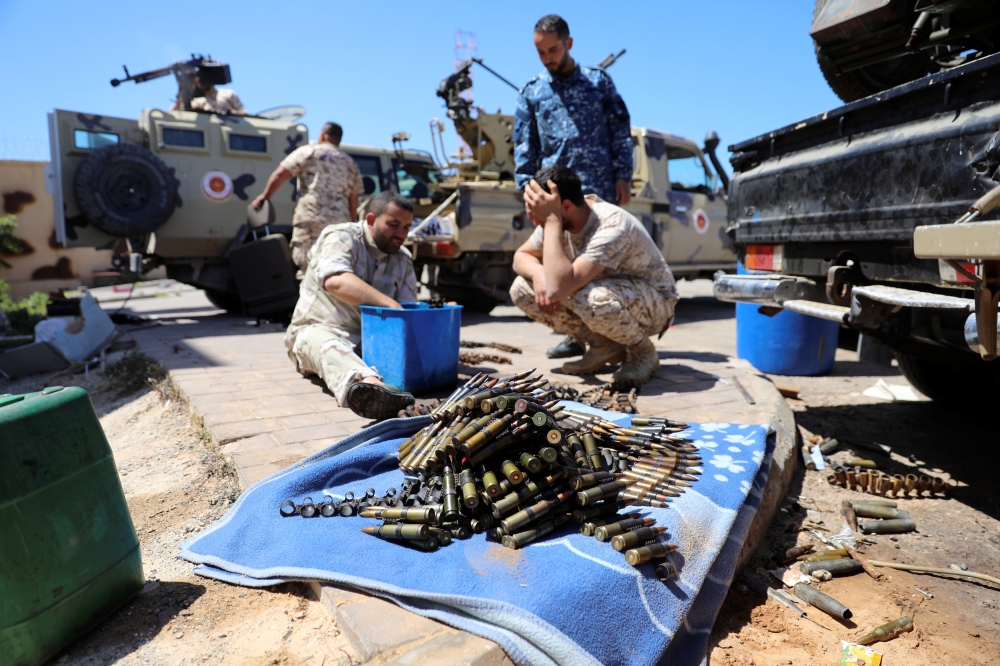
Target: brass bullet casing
x: 666, y: 571
x: 898, y: 483
x: 923, y: 484
x: 831, y: 479
x: 873, y: 481
x: 835, y: 554
x: 399, y: 531
x: 522, y: 539
x: 530, y: 462
x: 603, y: 491
x: 937, y: 485
x: 428, y: 545
x: 876, y: 511
x: 409, y: 514
x: 852, y: 479
x: 868, y: 464
x: 911, y: 483
x: 590, y: 480
x: 467, y: 481
x: 449, y: 497
x: 511, y: 471
x: 635, y: 537
x: 796, y: 552
x: 516, y: 521
x: 884, y: 483
x: 654, y: 551
x: 610, y: 530
x: 490, y: 483
x: 862, y: 476
x: 443, y: 536
x: 588, y: 528
x: 841, y: 475
x: 887, y: 631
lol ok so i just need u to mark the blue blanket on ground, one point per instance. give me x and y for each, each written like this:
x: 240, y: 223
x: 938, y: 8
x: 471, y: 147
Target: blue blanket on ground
x: 568, y: 599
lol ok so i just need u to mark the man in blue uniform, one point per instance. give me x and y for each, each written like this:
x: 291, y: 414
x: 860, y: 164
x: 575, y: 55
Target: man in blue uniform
x: 572, y: 116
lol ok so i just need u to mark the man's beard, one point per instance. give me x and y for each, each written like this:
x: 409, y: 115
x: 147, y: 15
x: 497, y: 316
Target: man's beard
x: 558, y: 69
x: 384, y: 243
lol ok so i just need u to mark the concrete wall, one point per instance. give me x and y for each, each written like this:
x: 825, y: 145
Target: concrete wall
x: 47, y: 267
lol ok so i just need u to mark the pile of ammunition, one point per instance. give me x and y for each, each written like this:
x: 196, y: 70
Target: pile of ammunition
x: 510, y: 349
x: 862, y: 477
x: 475, y: 358
x: 605, y: 397
x: 501, y: 458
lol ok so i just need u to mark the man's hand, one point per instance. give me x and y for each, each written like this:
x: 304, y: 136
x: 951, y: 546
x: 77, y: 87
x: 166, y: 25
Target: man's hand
x: 545, y: 304
x: 258, y: 202
x: 623, y: 192
x: 542, y: 206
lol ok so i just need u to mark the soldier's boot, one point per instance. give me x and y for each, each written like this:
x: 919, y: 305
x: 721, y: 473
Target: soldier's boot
x: 377, y: 401
x: 640, y: 365
x: 600, y: 352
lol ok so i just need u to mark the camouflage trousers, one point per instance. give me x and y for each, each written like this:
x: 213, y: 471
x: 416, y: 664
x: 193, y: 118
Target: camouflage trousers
x: 623, y: 310
x: 329, y: 353
x: 304, y: 235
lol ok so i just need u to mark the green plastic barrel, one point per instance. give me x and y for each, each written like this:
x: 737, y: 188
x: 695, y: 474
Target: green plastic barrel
x: 69, y: 555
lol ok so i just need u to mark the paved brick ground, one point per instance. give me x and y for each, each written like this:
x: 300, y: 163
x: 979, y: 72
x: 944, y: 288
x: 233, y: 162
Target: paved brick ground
x: 237, y: 376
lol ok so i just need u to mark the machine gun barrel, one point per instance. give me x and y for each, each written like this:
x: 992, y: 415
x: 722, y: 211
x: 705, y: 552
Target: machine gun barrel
x: 610, y: 60
x: 483, y: 65
x: 146, y: 76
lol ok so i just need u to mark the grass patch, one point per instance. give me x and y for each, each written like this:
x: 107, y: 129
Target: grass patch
x: 132, y: 372
x: 25, y: 313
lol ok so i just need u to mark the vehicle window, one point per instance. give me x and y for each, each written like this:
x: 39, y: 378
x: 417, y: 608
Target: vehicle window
x: 90, y: 140
x: 414, y: 180
x: 687, y: 171
x: 186, y: 138
x: 247, y: 142
x: 371, y: 173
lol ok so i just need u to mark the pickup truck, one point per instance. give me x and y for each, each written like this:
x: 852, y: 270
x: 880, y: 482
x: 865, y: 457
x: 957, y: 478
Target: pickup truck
x: 824, y: 213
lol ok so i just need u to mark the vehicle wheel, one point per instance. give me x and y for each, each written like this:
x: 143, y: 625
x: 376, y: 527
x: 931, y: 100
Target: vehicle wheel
x: 225, y: 300
x: 951, y: 384
x: 124, y: 190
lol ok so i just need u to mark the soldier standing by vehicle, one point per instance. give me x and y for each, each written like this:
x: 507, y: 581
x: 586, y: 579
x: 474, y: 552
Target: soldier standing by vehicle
x: 329, y: 184
x: 210, y: 99
x: 591, y: 271
x: 572, y: 116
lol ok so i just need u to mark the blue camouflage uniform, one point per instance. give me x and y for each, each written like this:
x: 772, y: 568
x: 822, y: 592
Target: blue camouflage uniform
x: 578, y: 121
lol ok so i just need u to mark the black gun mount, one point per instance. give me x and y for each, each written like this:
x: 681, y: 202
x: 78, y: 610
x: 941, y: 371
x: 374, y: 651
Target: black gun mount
x: 208, y: 71
x: 451, y: 89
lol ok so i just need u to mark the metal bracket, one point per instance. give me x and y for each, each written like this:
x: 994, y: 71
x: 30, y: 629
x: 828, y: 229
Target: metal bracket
x: 987, y: 297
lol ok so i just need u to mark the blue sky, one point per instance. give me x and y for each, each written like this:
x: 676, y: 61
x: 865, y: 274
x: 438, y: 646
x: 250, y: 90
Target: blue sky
x: 738, y: 67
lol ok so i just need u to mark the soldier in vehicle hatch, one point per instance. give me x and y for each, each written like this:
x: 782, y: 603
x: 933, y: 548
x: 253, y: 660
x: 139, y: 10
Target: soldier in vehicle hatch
x: 591, y: 271
x: 210, y: 99
x: 572, y: 116
x: 329, y: 184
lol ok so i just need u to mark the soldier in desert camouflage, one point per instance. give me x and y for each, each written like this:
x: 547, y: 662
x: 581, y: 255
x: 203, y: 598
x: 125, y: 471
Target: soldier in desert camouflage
x: 573, y: 116
x: 353, y: 265
x: 329, y: 184
x: 592, y: 272
x: 210, y: 99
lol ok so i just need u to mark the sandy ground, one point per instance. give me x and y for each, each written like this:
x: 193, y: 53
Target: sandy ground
x: 175, y: 486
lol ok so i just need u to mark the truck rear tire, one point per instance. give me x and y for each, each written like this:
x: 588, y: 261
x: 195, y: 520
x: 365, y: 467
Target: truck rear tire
x: 225, y: 300
x: 124, y: 190
x: 951, y: 384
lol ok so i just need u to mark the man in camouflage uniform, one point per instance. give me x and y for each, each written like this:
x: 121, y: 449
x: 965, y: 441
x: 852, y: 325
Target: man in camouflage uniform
x: 352, y: 265
x: 591, y: 271
x: 210, y: 99
x: 573, y: 116
x: 329, y: 184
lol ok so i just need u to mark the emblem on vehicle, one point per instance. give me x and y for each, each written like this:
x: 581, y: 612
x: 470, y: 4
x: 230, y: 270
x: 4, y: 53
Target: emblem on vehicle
x: 217, y: 186
x: 700, y: 221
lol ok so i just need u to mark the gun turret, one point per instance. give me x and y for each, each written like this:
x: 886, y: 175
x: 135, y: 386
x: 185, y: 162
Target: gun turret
x: 208, y: 71
x: 451, y: 89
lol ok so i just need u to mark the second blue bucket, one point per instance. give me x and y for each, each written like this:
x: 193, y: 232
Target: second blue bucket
x: 414, y: 349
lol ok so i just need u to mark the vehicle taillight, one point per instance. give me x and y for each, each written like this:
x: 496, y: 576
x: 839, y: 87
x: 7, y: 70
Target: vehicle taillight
x: 949, y: 274
x: 765, y: 257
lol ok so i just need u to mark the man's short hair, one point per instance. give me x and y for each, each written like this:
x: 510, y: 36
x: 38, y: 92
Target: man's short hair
x: 565, y: 179
x: 383, y: 200
x: 332, y: 130
x: 553, y: 23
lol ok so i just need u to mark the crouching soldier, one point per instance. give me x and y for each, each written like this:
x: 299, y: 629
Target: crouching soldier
x: 591, y: 271
x: 353, y: 264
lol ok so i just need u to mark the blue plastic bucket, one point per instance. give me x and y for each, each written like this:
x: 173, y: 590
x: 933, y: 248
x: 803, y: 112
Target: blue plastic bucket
x: 416, y: 348
x: 788, y: 343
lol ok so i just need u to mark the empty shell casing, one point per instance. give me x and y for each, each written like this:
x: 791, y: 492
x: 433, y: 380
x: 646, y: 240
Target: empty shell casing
x: 836, y: 554
x: 634, y: 538
x: 867, y: 464
x: 825, y: 603
x: 653, y: 551
x: 841, y: 475
x: 852, y: 479
x: 924, y: 483
x: 937, y: 485
x: 844, y: 566
x: 665, y: 571
x: 898, y: 484
x: 875, y: 511
x: 911, y: 483
x: 895, y: 526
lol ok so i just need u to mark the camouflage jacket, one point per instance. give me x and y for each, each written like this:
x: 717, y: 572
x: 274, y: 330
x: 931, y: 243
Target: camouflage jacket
x: 349, y: 248
x: 326, y: 178
x: 222, y: 101
x: 580, y: 122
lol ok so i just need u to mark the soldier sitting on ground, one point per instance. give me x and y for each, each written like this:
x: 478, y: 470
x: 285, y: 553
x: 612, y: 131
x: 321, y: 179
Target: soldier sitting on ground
x: 353, y: 264
x: 591, y: 271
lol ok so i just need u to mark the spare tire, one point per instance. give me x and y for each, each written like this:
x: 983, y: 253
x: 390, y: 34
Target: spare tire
x: 124, y: 190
